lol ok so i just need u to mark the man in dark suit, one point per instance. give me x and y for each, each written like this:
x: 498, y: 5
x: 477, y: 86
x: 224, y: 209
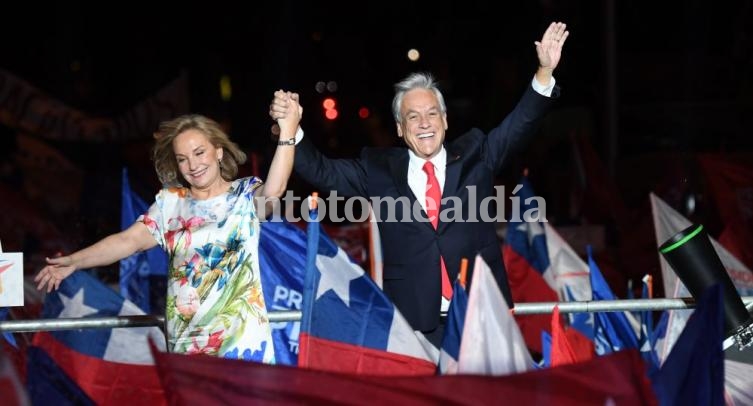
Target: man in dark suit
x: 423, y: 242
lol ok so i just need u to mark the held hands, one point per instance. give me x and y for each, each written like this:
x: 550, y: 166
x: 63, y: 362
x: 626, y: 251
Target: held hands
x: 286, y: 110
x: 549, y: 50
x: 56, y: 270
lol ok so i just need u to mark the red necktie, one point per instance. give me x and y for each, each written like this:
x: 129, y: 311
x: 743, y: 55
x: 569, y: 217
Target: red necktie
x: 433, y: 199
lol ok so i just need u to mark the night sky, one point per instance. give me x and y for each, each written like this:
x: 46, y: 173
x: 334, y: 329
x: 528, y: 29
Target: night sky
x: 682, y: 71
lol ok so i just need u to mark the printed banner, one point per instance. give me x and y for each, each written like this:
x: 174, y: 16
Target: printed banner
x: 11, y: 279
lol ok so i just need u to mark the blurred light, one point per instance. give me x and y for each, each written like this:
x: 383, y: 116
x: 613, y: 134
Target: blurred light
x: 328, y: 103
x: 331, y: 114
x: 690, y: 204
x: 363, y: 112
x: 275, y: 129
x: 319, y: 87
x: 226, y: 91
x: 413, y: 54
x: 332, y: 86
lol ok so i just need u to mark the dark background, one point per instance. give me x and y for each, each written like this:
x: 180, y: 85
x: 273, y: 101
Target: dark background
x: 646, y: 84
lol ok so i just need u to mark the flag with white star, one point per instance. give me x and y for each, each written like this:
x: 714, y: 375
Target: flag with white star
x: 349, y: 324
x: 108, y: 365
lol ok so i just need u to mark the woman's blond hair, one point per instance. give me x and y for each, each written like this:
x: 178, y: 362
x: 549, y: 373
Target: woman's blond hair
x: 164, y: 157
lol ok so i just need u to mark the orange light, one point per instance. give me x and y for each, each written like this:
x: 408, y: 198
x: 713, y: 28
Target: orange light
x: 331, y: 114
x: 328, y: 103
x: 363, y: 112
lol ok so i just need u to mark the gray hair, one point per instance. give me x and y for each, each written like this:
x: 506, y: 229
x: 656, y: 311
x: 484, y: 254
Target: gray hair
x: 418, y: 80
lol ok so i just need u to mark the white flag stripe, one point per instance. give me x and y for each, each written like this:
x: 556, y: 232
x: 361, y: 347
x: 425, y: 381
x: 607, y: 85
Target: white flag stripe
x: 492, y: 343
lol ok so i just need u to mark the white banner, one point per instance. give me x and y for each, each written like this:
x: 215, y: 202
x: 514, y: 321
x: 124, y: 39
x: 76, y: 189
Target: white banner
x: 11, y: 279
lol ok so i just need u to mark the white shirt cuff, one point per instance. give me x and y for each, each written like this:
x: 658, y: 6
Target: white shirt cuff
x: 541, y: 89
x: 299, y: 134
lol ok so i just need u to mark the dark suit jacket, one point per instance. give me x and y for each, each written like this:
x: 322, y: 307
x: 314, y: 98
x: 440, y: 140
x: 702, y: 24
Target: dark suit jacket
x: 411, y: 248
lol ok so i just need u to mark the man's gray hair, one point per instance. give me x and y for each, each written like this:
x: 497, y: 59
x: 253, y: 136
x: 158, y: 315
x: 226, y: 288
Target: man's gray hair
x: 418, y: 80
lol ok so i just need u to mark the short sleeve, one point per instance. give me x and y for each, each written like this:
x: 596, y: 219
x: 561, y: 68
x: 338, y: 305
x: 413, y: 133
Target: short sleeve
x: 248, y: 187
x: 153, y: 219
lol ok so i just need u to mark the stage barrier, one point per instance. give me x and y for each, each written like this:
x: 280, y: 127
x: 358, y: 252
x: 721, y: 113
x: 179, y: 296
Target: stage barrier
x: 20, y: 326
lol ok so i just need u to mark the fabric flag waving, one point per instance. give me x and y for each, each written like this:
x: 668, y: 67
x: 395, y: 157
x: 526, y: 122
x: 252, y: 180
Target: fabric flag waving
x: 572, y: 277
x: 7, y: 336
x: 668, y: 222
x: 136, y: 269
x: 491, y: 343
x: 694, y: 371
x: 111, y: 366
x: 526, y: 233
x: 730, y: 186
x: 282, y: 261
x: 348, y: 324
x: 528, y: 268
x: 11, y: 387
x: 568, y: 345
x: 613, y: 331
x: 453, y: 331
x: 210, y: 380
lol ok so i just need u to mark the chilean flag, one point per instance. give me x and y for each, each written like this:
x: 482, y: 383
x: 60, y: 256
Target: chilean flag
x: 348, y: 324
x: 109, y: 366
x: 527, y: 261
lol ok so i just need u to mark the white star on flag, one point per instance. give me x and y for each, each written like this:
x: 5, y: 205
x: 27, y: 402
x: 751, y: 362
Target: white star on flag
x: 74, y: 307
x: 532, y: 229
x: 336, y: 277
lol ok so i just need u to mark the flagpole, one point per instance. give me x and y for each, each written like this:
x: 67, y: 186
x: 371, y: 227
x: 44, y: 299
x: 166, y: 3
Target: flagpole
x: 20, y: 326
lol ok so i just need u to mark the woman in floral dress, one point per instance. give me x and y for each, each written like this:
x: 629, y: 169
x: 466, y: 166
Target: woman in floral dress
x: 208, y: 223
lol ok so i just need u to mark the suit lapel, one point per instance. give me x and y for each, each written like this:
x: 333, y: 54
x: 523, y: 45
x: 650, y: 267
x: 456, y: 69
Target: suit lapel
x: 452, y: 177
x: 399, y: 172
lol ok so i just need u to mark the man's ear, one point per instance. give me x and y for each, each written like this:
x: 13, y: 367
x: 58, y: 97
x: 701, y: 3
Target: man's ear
x: 399, y: 130
x: 444, y: 119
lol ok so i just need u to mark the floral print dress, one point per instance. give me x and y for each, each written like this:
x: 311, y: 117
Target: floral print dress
x: 214, y: 300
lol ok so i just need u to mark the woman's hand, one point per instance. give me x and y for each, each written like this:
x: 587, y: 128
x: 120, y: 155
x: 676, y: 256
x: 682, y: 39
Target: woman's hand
x: 56, y: 270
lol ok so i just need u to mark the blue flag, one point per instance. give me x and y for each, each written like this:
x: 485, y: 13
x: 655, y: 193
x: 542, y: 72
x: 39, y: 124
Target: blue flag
x: 693, y: 373
x: 612, y: 330
x: 7, y: 335
x: 109, y: 365
x: 282, y: 261
x: 136, y: 269
x: 48, y: 384
x: 546, y: 353
x: 527, y: 238
x: 349, y: 324
x: 584, y: 321
x: 453, y: 332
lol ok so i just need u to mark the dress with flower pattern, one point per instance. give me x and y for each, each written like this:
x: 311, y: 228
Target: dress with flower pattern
x: 214, y: 300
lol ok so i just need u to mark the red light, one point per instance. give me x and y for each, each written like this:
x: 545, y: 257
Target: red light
x: 328, y: 103
x: 331, y: 114
x: 363, y: 112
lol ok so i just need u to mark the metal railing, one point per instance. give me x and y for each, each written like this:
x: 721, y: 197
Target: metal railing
x: 18, y: 326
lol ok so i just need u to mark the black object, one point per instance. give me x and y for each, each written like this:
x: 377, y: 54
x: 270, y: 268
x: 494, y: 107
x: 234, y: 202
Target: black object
x: 695, y: 261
